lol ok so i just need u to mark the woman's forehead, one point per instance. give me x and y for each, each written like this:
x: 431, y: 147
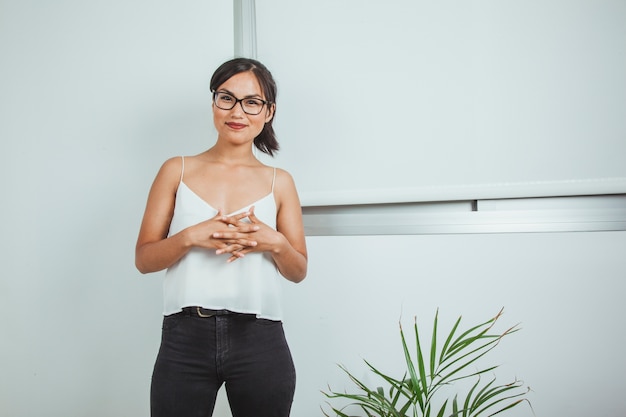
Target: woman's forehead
x: 243, y: 83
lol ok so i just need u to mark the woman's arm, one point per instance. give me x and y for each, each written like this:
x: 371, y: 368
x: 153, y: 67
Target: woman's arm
x: 156, y: 251
x: 291, y: 254
x: 286, y: 244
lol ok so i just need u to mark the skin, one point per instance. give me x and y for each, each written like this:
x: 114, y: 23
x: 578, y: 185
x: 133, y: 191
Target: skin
x: 228, y: 177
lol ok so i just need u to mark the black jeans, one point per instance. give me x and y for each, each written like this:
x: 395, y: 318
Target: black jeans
x: 198, y: 355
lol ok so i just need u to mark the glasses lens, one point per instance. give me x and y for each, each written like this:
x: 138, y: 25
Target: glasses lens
x: 252, y: 105
x: 224, y: 101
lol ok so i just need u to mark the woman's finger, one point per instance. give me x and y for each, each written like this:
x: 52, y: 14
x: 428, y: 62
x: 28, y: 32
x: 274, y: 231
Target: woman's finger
x: 235, y: 235
x: 235, y: 246
x: 234, y: 219
x: 239, y: 254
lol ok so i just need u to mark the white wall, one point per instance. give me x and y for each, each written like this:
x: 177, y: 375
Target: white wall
x: 425, y: 94
x: 95, y: 95
x: 565, y: 289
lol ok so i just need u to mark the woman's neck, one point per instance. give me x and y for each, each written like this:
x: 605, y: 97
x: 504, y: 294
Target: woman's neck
x: 232, y: 155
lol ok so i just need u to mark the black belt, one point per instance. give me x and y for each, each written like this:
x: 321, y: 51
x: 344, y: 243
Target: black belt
x: 204, y: 312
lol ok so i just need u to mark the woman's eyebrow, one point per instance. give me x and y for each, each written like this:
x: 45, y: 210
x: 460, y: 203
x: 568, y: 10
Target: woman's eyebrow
x: 223, y: 90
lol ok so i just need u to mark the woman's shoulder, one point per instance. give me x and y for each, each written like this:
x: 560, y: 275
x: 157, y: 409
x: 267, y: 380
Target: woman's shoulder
x: 283, y: 176
x: 179, y: 164
x: 285, y: 185
x: 172, y: 166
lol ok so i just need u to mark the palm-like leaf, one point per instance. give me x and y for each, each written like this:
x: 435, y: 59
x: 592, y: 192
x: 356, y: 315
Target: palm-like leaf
x: 415, y: 394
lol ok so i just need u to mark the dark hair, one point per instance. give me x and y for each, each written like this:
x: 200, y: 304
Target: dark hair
x: 266, y: 141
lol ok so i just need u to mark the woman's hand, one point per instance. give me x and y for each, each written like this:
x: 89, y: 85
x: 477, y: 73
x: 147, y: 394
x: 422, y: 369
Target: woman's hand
x: 226, y: 234
x: 254, y: 236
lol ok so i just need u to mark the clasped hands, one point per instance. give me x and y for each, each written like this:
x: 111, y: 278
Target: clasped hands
x: 240, y: 237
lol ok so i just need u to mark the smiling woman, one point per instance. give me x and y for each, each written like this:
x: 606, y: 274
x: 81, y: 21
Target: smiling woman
x: 226, y: 227
x: 256, y: 82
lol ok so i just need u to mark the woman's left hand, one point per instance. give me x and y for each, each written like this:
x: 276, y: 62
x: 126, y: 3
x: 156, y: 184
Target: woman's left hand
x: 265, y: 239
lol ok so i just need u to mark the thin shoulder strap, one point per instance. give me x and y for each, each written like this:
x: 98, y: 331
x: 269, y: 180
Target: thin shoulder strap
x: 182, y: 170
x: 274, y: 179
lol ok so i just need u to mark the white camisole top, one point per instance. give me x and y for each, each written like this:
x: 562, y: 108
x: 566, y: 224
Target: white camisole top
x: 201, y: 278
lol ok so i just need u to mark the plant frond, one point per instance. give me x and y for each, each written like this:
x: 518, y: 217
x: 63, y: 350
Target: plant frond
x: 416, y: 384
x: 421, y: 365
x: 433, y: 344
x: 448, y: 341
x: 415, y: 392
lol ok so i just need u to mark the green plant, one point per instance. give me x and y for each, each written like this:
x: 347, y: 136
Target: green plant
x: 420, y: 392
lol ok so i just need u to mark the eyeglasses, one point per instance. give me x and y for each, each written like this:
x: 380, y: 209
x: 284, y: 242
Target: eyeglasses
x: 226, y: 101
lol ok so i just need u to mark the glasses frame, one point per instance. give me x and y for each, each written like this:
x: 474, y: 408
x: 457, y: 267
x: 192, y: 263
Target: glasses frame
x: 240, y: 101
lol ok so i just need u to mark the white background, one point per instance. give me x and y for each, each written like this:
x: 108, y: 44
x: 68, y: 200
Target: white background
x: 94, y: 96
x: 409, y: 93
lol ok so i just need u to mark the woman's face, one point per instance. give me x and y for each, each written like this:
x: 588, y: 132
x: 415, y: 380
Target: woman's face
x: 235, y: 124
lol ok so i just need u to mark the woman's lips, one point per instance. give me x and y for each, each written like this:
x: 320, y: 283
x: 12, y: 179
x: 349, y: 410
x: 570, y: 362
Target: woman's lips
x: 236, y: 126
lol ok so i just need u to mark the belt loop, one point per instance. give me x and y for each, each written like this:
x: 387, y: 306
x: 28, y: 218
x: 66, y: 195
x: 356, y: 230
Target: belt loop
x: 200, y: 314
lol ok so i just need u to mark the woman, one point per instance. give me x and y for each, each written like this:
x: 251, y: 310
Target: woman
x: 226, y: 227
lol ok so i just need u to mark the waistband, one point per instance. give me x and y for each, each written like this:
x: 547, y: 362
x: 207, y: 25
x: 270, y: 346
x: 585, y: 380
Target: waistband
x: 202, y: 312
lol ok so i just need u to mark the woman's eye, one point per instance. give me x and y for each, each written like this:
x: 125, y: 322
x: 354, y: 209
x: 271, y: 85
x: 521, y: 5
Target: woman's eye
x: 253, y: 102
x: 226, y: 98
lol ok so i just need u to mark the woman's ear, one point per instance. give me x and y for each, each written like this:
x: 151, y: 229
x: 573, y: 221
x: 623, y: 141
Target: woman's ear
x: 270, y: 112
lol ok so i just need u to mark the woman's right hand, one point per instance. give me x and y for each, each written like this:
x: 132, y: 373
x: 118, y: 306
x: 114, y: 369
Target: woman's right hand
x: 209, y: 234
